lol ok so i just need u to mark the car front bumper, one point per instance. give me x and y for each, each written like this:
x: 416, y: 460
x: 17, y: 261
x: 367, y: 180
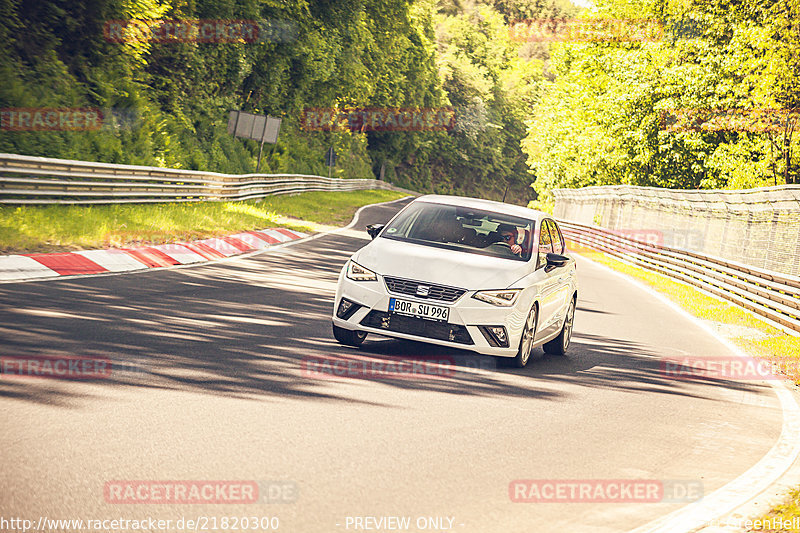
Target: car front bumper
x: 462, y: 330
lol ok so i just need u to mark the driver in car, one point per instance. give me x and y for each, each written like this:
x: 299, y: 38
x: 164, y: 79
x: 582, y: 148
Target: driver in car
x: 508, y: 234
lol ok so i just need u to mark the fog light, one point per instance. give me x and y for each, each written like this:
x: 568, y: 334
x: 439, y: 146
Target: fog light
x: 495, y: 335
x: 500, y: 334
x: 346, y: 308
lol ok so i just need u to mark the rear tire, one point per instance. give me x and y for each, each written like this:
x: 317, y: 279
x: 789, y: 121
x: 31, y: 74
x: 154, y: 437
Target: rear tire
x: 526, y: 342
x: 349, y: 337
x: 559, y: 345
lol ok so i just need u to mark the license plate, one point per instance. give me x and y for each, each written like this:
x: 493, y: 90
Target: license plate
x: 419, y: 310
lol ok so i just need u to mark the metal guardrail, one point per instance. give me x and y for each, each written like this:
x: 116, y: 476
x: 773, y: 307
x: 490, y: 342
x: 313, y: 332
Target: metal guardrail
x: 757, y: 227
x: 773, y: 296
x: 40, y: 180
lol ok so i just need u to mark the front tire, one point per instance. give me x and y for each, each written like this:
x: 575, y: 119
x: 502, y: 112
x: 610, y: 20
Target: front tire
x: 348, y: 337
x: 559, y: 345
x: 526, y: 342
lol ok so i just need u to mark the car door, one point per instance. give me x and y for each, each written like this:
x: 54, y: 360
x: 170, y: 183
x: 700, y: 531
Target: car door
x: 549, y: 284
x: 563, y: 274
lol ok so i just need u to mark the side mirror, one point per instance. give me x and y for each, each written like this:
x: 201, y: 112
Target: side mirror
x: 374, y: 229
x: 556, y: 261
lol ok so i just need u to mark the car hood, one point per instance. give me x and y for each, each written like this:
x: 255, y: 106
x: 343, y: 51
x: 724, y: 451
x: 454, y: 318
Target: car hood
x: 389, y: 257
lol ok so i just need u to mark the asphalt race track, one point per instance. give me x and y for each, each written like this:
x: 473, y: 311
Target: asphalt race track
x: 210, y: 380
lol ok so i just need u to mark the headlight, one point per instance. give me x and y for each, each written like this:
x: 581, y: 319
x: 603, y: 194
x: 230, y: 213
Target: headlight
x: 504, y: 298
x: 358, y: 273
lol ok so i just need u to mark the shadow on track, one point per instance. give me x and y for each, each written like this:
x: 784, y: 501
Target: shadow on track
x: 248, y: 327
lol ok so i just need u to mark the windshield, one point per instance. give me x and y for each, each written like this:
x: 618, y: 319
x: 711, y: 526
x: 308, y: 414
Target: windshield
x: 463, y: 229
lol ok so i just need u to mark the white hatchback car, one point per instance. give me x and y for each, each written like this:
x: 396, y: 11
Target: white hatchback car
x: 465, y: 273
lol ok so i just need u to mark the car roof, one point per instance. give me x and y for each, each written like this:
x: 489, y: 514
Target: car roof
x: 486, y: 205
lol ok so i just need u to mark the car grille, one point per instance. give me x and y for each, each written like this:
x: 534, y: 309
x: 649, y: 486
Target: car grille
x: 435, y: 292
x: 417, y: 326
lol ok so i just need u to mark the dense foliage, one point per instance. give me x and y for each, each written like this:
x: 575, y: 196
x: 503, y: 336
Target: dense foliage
x: 561, y: 114
x: 166, y: 103
x: 643, y: 113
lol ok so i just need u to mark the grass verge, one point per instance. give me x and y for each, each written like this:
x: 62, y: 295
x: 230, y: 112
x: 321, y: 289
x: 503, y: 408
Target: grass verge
x: 54, y: 228
x: 749, y: 333
x: 786, y: 514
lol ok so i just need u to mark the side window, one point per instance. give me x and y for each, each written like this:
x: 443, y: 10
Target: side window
x: 545, y: 246
x: 556, y: 237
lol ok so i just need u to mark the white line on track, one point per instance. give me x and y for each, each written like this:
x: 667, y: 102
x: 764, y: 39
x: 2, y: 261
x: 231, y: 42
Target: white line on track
x: 738, y: 494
